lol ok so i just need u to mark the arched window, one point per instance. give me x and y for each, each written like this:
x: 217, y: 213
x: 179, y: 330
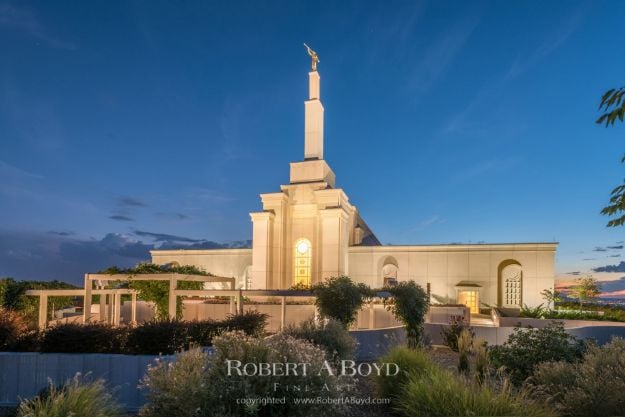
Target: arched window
x: 389, y: 274
x: 302, y: 262
x: 511, y: 284
x: 389, y: 271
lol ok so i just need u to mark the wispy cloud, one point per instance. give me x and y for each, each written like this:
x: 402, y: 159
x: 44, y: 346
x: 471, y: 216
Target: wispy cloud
x: 11, y: 172
x: 161, y: 237
x: 424, y: 224
x: 130, y: 202
x: 487, y: 166
x: 173, y: 215
x: 441, y: 53
x: 26, y: 22
x: 496, y: 85
x: 121, y: 218
x: 61, y: 233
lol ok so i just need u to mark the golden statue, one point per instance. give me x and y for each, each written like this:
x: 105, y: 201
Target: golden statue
x: 313, y: 56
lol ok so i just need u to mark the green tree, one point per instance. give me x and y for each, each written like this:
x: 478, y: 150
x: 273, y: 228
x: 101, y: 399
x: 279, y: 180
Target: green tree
x: 339, y: 298
x: 552, y: 297
x: 409, y: 305
x: 612, y: 107
x: 585, y: 289
x: 13, y: 297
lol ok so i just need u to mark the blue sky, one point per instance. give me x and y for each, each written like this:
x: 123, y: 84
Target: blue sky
x: 128, y: 125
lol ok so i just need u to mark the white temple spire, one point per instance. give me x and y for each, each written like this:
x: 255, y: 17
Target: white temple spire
x: 313, y: 124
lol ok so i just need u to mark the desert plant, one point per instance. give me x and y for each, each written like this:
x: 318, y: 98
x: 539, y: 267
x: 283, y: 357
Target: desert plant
x: 409, y: 362
x: 178, y: 388
x: 532, y: 312
x: 591, y: 387
x: 76, y: 398
x: 331, y: 337
x: 12, y: 327
x: 481, y: 359
x: 199, y: 385
x: 526, y: 348
x: 440, y: 393
x: 75, y: 338
x: 409, y: 303
x: 452, y: 332
x: 338, y: 298
x: 465, y: 346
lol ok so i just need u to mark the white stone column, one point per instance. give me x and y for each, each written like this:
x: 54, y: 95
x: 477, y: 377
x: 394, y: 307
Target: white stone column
x: 262, y: 248
x: 333, y: 244
x: 313, y: 124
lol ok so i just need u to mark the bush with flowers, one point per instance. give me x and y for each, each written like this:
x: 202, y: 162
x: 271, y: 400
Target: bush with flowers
x: 198, y: 384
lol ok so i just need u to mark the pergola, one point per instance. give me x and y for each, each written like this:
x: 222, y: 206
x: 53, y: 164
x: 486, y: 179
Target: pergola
x: 110, y: 299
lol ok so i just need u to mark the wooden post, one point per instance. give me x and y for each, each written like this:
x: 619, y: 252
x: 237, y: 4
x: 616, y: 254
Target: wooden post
x: 240, y: 302
x: 283, y: 313
x: 109, y: 309
x: 172, y: 297
x: 117, y: 297
x: 43, y: 310
x: 86, y: 316
x: 231, y: 304
x: 133, y: 309
x: 103, y: 307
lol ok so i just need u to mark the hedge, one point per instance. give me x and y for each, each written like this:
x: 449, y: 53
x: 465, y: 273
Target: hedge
x: 149, y: 338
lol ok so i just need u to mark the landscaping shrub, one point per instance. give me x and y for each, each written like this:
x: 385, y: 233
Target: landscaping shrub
x: 338, y: 298
x: 12, y: 327
x: 591, y: 387
x: 451, y: 333
x: 330, y: 336
x: 179, y: 389
x: 77, y: 338
x: 75, y: 398
x: 410, y: 362
x: 533, y: 312
x: 441, y: 393
x: 251, y: 322
x: 409, y: 305
x: 170, y: 336
x: 199, y: 385
x: 161, y: 337
x: 526, y: 348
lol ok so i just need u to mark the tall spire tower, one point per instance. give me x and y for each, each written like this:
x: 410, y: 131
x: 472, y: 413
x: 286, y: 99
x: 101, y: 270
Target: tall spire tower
x: 313, y: 125
x: 313, y: 168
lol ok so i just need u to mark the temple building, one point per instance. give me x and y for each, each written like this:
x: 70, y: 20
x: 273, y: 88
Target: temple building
x: 309, y: 230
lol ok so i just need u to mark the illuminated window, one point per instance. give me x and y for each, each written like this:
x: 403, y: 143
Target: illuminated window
x: 470, y: 299
x: 302, y: 263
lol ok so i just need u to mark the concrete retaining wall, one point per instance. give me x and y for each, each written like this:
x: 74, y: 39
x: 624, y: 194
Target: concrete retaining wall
x: 25, y: 374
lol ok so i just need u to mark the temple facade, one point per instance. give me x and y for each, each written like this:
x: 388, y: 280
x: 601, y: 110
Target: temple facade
x: 310, y: 230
